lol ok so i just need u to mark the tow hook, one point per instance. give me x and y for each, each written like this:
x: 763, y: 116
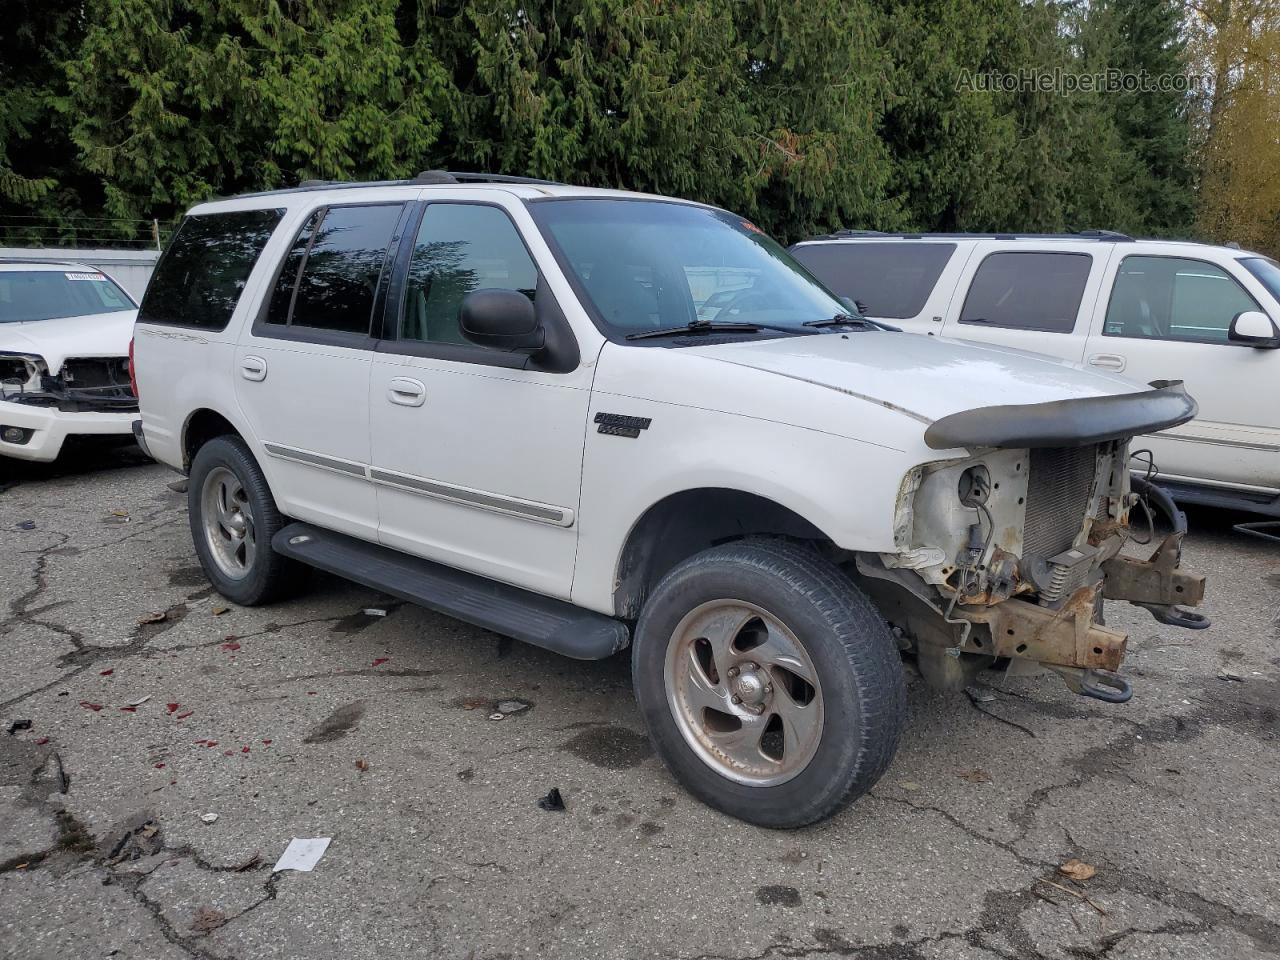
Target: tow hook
x: 1157, y: 584
x: 1098, y: 684
x: 1175, y: 616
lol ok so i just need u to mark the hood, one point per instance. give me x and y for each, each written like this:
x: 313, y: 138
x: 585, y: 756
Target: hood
x: 93, y: 335
x: 923, y: 377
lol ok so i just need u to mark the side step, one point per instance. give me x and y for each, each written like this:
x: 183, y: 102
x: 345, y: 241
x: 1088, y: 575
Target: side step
x: 511, y: 611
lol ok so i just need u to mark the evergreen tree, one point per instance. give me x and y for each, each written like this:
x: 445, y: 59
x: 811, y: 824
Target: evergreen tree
x: 40, y: 175
x: 174, y: 101
x: 1155, y: 125
x: 952, y: 143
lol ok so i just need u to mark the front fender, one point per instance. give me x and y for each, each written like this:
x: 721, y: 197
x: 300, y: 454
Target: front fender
x: 845, y: 488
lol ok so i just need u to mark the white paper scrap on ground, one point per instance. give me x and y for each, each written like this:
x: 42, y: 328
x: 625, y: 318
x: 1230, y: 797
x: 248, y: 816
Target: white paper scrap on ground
x: 302, y: 854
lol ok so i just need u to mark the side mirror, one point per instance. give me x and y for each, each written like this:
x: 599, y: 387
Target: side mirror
x: 1254, y: 328
x: 504, y: 319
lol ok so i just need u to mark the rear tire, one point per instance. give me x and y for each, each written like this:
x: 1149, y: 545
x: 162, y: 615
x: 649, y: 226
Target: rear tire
x: 810, y: 663
x: 233, y: 518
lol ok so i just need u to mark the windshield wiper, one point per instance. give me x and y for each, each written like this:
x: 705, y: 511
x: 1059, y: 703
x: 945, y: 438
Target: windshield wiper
x: 849, y: 320
x: 711, y: 326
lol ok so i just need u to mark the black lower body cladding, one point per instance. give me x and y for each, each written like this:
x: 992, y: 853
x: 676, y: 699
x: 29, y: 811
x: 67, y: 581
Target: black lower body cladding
x: 1065, y: 423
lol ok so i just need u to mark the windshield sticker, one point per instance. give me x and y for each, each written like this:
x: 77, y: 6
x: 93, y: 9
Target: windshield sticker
x: 85, y: 276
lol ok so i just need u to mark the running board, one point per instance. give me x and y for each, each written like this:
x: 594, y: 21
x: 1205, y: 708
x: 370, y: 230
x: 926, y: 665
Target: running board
x: 542, y: 621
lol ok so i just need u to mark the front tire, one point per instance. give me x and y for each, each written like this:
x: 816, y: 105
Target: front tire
x: 233, y: 518
x: 770, y: 685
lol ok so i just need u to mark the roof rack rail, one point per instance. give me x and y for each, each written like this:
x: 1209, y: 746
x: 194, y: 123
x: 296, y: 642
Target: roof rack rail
x: 453, y: 176
x: 1100, y: 235
x: 1107, y: 235
x: 425, y: 177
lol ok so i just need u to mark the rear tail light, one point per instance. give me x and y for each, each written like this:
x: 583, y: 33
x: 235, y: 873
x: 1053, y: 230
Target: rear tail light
x: 133, y: 372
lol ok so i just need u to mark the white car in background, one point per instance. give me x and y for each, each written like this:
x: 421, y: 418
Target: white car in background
x: 1150, y: 310
x: 65, y: 330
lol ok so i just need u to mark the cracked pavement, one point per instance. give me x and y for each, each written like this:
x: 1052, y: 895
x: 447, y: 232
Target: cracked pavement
x: 312, y: 718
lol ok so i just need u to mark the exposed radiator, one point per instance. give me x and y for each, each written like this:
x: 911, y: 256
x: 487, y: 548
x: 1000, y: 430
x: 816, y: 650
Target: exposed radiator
x: 1058, y: 490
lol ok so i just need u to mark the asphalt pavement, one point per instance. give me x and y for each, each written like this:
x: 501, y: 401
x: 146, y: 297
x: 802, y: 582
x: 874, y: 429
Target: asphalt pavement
x: 177, y: 744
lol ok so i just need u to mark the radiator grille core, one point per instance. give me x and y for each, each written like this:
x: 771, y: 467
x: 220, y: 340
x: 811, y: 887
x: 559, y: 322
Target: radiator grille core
x: 1058, y: 490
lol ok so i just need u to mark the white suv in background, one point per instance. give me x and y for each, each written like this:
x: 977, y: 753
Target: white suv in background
x: 503, y: 399
x: 64, y: 357
x: 1149, y: 310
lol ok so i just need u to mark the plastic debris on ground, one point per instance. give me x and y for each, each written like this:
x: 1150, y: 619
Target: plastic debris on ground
x: 552, y: 802
x: 301, y: 854
x: 374, y: 612
x: 209, y: 817
x: 508, y: 707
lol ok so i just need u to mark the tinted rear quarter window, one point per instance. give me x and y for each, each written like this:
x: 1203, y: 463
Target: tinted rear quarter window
x: 891, y: 280
x: 200, y: 277
x: 1028, y: 291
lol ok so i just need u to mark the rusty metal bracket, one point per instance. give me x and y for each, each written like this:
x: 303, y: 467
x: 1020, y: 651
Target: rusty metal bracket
x: 1157, y: 584
x: 1067, y: 636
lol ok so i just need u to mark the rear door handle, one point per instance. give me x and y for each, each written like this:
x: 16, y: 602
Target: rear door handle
x: 253, y: 368
x: 1107, y: 361
x: 406, y: 392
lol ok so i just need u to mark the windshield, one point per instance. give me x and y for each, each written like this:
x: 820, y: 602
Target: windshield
x: 651, y: 265
x: 1268, y: 271
x: 45, y: 294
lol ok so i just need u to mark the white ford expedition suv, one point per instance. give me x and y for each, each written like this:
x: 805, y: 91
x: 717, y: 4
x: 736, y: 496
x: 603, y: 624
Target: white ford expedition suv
x: 502, y: 399
x: 1147, y: 309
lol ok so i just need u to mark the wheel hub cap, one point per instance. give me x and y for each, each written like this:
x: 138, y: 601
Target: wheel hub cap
x: 228, y: 523
x: 750, y: 686
x: 744, y: 692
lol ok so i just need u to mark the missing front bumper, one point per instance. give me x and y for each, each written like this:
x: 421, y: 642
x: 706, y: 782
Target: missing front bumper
x: 1084, y: 653
x: 1157, y: 584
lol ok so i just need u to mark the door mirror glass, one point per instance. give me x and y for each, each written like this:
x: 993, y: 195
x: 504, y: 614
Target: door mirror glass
x: 504, y: 319
x: 1254, y: 327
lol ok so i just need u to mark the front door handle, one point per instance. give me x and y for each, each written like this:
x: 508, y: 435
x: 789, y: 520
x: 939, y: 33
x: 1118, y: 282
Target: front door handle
x: 406, y: 392
x: 1107, y: 361
x: 253, y: 368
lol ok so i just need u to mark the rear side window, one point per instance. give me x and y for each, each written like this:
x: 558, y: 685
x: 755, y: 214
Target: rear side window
x: 1028, y: 291
x: 889, y: 280
x: 330, y: 278
x: 200, y: 277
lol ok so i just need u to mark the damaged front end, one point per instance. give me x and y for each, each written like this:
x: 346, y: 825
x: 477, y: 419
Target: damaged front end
x: 1009, y: 552
x: 80, y: 385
